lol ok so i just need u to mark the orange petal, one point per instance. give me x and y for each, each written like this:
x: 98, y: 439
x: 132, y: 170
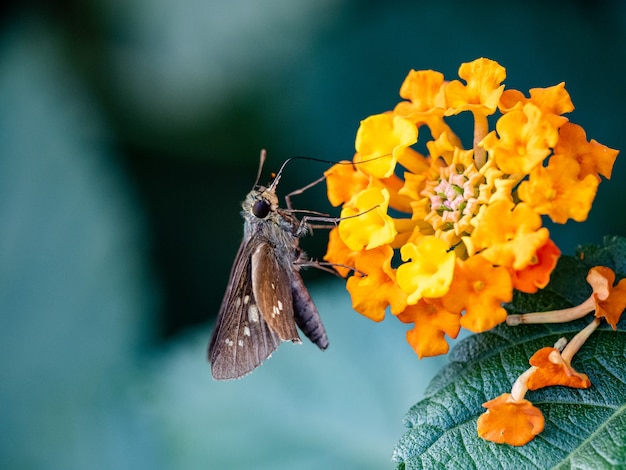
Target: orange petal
x: 373, y: 293
x: 553, y: 370
x: 558, y: 191
x: 338, y: 253
x: 594, y: 158
x: 537, y: 275
x: 510, y: 234
x: 524, y: 138
x: 344, y: 181
x: 610, y: 300
x: 432, y: 322
x: 507, y: 421
x: 479, y: 288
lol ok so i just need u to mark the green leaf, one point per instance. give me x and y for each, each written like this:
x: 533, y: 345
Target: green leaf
x: 583, y: 429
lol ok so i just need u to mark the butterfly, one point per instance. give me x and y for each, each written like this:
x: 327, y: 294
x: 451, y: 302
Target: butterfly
x: 265, y: 297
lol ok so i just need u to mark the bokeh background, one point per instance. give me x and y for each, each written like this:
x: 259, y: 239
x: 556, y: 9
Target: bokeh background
x: 129, y: 133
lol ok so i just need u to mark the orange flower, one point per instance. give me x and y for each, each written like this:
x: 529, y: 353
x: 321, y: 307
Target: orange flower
x: 479, y: 288
x: 508, y: 234
x: 343, y: 181
x: 552, y: 101
x: 593, y: 157
x: 524, y: 139
x: 431, y: 323
x: 553, y: 369
x: 377, y: 289
x: 557, y: 191
x: 607, y: 300
x: 513, y: 420
x: 424, y: 90
x: 510, y: 421
x: 338, y: 254
x: 537, y: 274
x: 610, y: 300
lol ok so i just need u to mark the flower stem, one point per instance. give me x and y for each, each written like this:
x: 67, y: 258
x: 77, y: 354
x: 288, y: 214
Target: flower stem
x: 481, y: 126
x: 553, y: 316
x: 577, y: 341
x: 520, y: 387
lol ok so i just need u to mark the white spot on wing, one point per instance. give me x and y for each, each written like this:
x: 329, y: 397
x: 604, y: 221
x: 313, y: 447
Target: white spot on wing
x: 275, y: 311
x: 246, y: 299
x: 246, y: 331
x: 240, y: 343
x: 280, y: 305
x: 253, y: 313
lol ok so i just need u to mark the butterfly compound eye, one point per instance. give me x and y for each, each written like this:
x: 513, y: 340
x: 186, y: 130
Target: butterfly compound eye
x: 261, y: 208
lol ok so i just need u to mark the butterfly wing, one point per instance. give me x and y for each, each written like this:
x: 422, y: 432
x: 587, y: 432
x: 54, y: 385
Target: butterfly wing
x: 242, y: 339
x: 271, y: 284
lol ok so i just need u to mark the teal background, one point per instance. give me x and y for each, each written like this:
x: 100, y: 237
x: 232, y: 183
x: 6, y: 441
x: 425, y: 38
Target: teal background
x: 130, y: 132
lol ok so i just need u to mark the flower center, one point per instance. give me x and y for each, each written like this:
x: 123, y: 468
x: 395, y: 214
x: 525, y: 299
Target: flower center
x: 453, y: 201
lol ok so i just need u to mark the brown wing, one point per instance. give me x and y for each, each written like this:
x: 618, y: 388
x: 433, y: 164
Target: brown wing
x: 271, y: 284
x: 241, y: 340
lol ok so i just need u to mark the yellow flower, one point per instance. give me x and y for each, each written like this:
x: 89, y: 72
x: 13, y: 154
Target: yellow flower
x: 429, y: 271
x: 465, y: 218
x: 373, y: 227
x: 482, y: 91
x: 425, y: 90
x: 381, y: 141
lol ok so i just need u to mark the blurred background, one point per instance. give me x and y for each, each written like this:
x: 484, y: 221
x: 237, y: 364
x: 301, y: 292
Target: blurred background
x: 129, y: 133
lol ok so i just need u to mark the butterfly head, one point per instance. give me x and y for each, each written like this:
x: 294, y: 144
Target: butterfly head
x: 261, y: 202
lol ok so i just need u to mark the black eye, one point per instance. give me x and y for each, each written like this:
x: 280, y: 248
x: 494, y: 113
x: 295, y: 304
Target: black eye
x: 261, y: 208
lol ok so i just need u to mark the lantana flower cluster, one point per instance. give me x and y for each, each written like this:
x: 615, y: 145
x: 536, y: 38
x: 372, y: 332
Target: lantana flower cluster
x: 442, y: 236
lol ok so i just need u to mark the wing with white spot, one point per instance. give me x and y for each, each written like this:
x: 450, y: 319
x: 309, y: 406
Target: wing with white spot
x: 241, y: 340
x: 271, y: 284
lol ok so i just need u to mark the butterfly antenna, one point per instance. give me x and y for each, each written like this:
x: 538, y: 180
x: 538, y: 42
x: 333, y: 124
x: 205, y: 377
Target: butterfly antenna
x: 272, y: 186
x: 279, y: 174
x: 262, y: 158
